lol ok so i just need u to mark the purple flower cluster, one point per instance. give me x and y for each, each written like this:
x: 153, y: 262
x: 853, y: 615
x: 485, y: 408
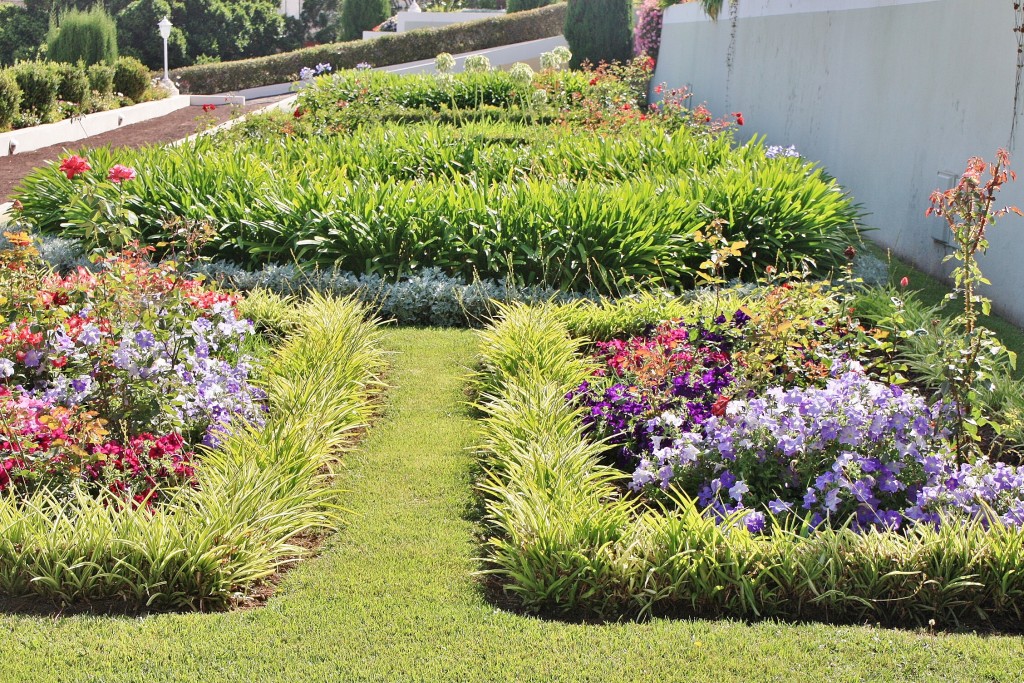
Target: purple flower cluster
x: 776, y: 151
x: 307, y: 74
x: 856, y: 450
x: 192, y: 370
x: 647, y: 34
x: 672, y: 368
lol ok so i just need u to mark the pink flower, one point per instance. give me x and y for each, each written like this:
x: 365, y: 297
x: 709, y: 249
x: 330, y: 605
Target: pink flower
x: 74, y: 165
x: 119, y: 173
x: 905, y: 281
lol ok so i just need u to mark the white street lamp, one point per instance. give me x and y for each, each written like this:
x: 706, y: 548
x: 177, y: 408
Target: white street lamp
x: 165, y: 33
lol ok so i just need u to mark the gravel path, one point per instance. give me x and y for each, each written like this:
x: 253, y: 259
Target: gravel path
x: 174, y: 126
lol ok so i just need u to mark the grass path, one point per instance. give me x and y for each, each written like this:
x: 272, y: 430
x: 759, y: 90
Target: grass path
x: 392, y: 597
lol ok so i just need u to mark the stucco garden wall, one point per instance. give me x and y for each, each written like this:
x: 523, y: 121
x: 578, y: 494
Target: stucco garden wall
x: 892, y: 96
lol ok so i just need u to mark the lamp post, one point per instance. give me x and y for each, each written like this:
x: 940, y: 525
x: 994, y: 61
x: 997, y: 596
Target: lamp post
x: 165, y: 33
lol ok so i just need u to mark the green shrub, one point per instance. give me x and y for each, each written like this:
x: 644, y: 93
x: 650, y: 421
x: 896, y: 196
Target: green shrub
x: 523, y: 5
x: 599, y: 30
x: 131, y: 78
x: 10, y: 98
x: 89, y: 37
x: 101, y: 78
x: 74, y: 83
x: 392, y: 49
x: 487, y: 200
x: 362, y: 15
x: 21, y: 34
x: 39, y: 82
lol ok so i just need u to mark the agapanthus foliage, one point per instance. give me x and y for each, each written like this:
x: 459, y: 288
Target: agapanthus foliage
x: 113, y: 376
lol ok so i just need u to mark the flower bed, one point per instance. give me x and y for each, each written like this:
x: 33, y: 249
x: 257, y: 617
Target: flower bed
x: 113, y: 377
x: 139, y: 461
x: 759, y: 453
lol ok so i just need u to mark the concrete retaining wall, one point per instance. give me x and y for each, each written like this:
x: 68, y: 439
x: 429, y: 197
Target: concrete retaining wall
x: 892, y: 96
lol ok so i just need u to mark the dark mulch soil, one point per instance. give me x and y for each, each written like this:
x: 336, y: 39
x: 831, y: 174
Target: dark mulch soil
x: 174, y: 126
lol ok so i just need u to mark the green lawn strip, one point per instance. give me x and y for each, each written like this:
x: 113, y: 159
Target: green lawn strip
x: 391, y: 598
x: 932, y: 291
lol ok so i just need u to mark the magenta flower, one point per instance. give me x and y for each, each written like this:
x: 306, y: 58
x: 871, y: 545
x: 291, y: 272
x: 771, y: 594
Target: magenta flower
x: 119, y: 173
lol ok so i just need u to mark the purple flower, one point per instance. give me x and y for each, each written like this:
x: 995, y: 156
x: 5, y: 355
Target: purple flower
x: 776, y: 151
x: 90, y: 335
x: 145, y: 339
x: 755, y: 522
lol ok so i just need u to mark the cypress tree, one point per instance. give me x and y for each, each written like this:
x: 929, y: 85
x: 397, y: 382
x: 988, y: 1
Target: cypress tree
x: 599, y: 30
x: 89, y: 36
x: 362, y: 15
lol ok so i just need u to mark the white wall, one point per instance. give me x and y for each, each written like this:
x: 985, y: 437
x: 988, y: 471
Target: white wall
x: 291, y: 8
x: 410, y: 21
x: 887, y: 94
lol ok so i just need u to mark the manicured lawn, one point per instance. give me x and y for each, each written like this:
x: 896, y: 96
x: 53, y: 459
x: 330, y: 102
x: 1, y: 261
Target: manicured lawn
x: 392, y: 597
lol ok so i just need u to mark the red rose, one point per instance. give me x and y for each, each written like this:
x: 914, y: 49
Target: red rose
x: 74, y: 165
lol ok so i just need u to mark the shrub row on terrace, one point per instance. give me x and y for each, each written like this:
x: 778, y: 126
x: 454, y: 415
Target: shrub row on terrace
x: 490, y: 201
x: 390, y: 49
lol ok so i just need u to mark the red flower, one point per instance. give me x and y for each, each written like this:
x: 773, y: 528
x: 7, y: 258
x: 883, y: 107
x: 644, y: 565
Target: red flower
x: 59, y: 362
x: 593, y: 81
x: 905, y: 281
x: 74, y: 165
x: 119, y: 173
x: 298, y: 112
x: 625, y: 107
x: 718, y: 409
x: 658, y: 89
x: 739, y: 117
x: 209, y: 107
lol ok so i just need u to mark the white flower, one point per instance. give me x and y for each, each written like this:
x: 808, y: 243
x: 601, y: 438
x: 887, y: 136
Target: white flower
x: 477, y: 63
x: 444, y: 63
x: 521, y: 72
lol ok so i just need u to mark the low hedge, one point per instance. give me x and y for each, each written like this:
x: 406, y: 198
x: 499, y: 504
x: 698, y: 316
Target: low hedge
x: 392, y: 49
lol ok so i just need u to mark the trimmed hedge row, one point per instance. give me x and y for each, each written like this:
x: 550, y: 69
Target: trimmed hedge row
x: 393, y: 49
